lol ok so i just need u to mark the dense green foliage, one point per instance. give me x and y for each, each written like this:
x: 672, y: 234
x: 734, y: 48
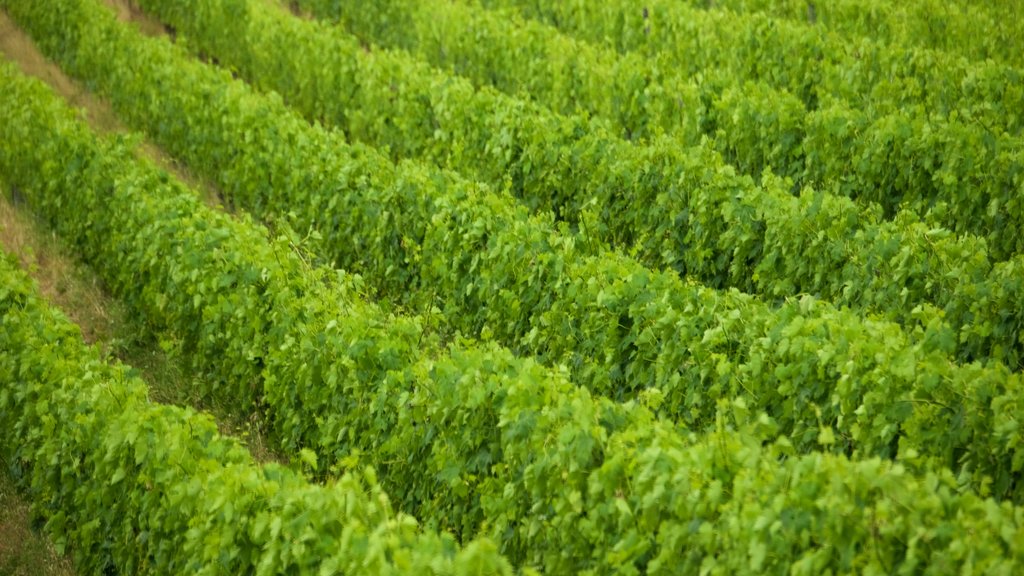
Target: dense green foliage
x: 621, y: 329
x: 142, y: 488
x: 616, y: 417
x: 978, y: 30
x: 565, y: 481
x: 724, y: 227
x: 810, y: 62
x: 908, y: 159
x: 929, y: 126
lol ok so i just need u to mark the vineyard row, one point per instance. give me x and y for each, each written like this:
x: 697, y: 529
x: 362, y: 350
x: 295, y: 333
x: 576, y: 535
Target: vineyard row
x: 139, y: 487
x: 806, y: 61
x: 683, y: 209
x: 908, y: 159
x: 472, y: 438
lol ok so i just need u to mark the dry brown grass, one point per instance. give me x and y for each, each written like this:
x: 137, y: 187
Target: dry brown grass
x: 24, y: 551
x: 127, y: 11
x: 61, y: 281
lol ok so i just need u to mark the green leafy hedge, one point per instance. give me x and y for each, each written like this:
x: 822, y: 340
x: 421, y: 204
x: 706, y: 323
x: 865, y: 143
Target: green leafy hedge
x: 684, y: 208
x: 136, y: 487
x: 472, y: 437
x: 904, y: 159
x: 620, y: 328
x: 978, y: 31
x: 334, y: 374
x: 807, y: 61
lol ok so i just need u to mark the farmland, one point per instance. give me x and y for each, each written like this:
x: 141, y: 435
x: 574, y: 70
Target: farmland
x: 509, y: 286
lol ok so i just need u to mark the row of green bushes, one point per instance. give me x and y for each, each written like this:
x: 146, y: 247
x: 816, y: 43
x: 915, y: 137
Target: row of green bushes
x: 807, y: 61
x: 683, y: 209
x: 621, y: 329
x: 471, y: 437
x: 134, y: 487
x: 975, y: 30
x: 907, y: 159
